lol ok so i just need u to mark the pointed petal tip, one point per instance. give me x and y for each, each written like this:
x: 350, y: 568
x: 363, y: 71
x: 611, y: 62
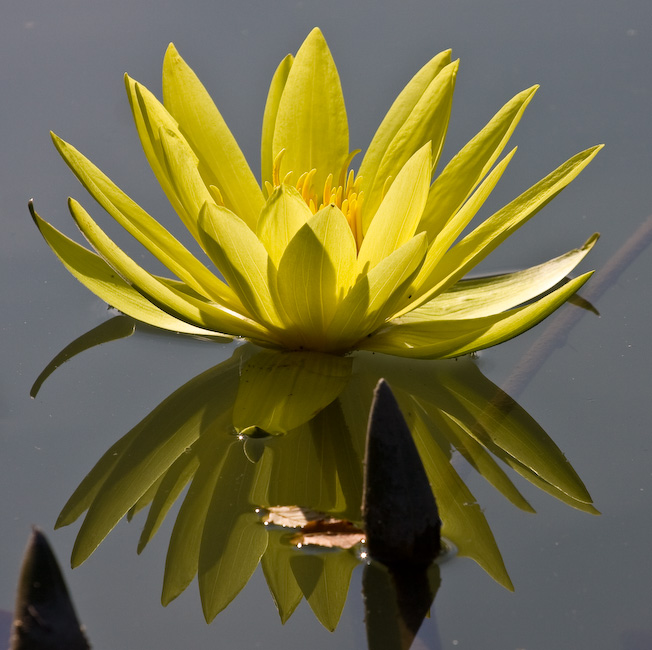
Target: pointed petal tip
x: 171, y: 55
x: 316, y: 36
x: 590, y: 242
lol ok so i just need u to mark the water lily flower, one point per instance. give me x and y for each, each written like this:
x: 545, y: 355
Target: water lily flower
x: 317, y: 257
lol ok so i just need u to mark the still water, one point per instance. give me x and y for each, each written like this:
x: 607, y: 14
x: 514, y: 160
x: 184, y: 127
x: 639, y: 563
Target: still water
x: 581, y: 581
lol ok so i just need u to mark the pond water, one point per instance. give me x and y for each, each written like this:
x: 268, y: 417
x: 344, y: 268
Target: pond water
x: 581, y: 581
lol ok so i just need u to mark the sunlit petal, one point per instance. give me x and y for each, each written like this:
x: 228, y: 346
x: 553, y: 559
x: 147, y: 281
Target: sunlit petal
x: 377, y: 295
x: 440, y: 338
x: 200, y: 122
x: 180, y: 305
x: 317, y: 269
x: 311, y: 122
x: 284, y: 213
x: 470, y: 165
x: 269, y: 118
x: 399, y: 214
x: 419, y: 115
x: 242, y: 258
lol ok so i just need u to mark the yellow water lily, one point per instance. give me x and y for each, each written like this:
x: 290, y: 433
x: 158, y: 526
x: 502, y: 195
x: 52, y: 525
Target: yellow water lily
x: 317, y: 257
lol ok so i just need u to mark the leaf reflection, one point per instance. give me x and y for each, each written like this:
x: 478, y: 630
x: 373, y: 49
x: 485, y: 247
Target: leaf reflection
x: 209, y: 441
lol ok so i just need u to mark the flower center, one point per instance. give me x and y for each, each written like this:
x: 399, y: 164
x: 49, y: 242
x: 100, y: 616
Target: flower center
x: 345, y: 194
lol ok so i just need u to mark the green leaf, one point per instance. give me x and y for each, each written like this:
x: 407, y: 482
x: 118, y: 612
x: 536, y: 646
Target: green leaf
x: 200, y: 122
x: 419, y: 115
x: 269, y: 118
x: 311, y: 122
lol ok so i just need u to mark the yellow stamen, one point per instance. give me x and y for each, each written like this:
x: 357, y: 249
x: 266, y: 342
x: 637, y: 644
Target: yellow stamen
x: 346, y: 194
x: 217, y: 195
x: 328, y: 185
x: 386, y: 185
x: 276, y: 168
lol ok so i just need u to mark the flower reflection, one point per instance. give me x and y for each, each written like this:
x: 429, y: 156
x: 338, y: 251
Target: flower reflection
x: 212, y: 436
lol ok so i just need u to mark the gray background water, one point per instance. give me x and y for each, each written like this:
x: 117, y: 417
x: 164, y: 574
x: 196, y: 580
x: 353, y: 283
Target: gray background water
x: 581, y: 581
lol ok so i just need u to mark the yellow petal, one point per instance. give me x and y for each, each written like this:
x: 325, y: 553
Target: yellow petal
x: 419, y: 115
x: 181, y: 164
x: 284, y: 213
x: 94, y: 273
x: 311, y: 122
x: 377, y: 295
x: 440, y: 338
x: 471, y: 164
x: 149, y: 116
x: 269, y: 118
x: 314, y: 273
x: 488, y: 235
x: 200, y: 122
x: 422, y: 286
x: 179, y: 304
x: 242, y: 259
x: 145, y: 229
x: 488, y: 296
x: 399, y: 214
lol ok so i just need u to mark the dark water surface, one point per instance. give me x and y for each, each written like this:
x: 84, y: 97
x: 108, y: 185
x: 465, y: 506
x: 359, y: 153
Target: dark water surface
x: 580, y: 581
